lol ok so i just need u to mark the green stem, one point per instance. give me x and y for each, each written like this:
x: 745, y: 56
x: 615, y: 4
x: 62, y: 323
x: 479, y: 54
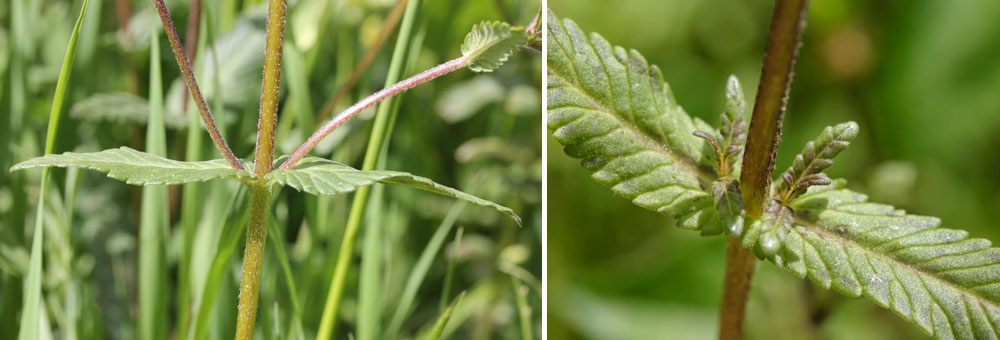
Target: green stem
x: 783, y: 43
x: 377, y: 139
x: 253, y: 258
x: 269, y: 88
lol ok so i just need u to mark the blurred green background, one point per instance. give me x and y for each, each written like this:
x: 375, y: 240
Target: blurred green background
x: 477, y: 132
x: 922, y: 78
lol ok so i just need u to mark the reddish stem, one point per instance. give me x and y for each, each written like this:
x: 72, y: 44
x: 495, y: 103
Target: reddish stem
x: 192, y: 86
x: 390, y: 91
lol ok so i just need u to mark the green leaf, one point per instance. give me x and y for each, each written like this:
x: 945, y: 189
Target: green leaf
x: 138, y: 168
x: 442, y: 320
x: 325, y: 177
x: 816, y: 156
x: 32, y: 311
x: 489, y: 44
x: 940, y: 279
x: 613, y: 111
x: 121, y: 107
x: 728, y: 201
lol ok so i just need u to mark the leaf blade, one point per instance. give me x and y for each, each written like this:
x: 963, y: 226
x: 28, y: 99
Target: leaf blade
x: 612, y: 110
x: 937, y: 278
x: 138, y: 168
x: 488, y: 45
x: 324, y: 177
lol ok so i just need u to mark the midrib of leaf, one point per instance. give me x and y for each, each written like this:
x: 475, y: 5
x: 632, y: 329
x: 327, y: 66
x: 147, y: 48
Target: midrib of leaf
x: 934, y: 289
x: 902, y: 265
x: 680, y: 161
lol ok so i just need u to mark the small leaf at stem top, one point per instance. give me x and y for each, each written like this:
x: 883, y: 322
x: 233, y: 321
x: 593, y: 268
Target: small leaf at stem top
x: 489, y: 44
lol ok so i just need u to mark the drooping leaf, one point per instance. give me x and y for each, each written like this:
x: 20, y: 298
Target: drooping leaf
x: 816, y: 156
x: 489, y: 44
x: 138, y: 168
x: 612, y: 110
x: 325, y: 177
x: 939, y: 279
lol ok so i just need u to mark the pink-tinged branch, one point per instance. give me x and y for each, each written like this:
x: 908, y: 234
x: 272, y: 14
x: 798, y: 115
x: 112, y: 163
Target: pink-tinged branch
x: 192, y: 86
x: 390, y: 91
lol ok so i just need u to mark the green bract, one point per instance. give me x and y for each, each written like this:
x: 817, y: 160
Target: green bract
x: 489, y: 44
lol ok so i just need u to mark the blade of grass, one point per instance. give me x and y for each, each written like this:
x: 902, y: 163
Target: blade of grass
x: 232, y: 230
x: 30, y: 314
x: 154, y: 219
x: 390, y: 24
x: 449, y: 273
x: 191, y: 201
x: 420, y: 269
x: 375, y: 142
x: 279, y: 248
x: 442, y: 321
x: 523, y: 309
x: 370, y: 285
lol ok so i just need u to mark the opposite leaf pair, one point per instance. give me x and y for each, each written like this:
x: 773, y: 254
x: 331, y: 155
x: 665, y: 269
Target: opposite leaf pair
x: 612, y: 110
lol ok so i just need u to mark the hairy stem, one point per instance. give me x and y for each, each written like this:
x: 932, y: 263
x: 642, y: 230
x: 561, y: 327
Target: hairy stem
x: 269, y: 88
x: 390, y: 24
x: 387, y: 92
x: 192, y: 86
x: 253, y: 258
x: 740, y: 266
x: 783, y: 44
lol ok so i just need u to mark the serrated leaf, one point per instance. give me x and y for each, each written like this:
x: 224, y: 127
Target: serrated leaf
x: 121, y: 107
x: 138, y: 168
x: 612, y: 110
x: 325, y: 177
x: 816, y: 156
x: 939, y: 279
x: 489, y: 44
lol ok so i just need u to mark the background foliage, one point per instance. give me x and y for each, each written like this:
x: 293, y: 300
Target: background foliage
x: 475, y: 132
x: 919, y: 78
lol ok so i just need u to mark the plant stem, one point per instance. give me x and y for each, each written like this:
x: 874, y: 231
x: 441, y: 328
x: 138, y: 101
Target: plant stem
x: 740, y: 266
x: 387, y: 92
x: 269, y: 88
x: 390, y: 24
x: 192, y: 86
x: 783, y: 44
x: 253, y: 258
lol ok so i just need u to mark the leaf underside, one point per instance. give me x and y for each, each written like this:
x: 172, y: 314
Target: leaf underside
x: 138, y: 168
x: 939, y: 279
x: 612, y: 110
x: 489, y: 44
x: 615, y: 113
x: 324, y: 177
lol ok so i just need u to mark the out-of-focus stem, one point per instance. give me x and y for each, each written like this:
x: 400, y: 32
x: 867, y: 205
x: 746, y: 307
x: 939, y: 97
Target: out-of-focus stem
x: 390, y: 24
